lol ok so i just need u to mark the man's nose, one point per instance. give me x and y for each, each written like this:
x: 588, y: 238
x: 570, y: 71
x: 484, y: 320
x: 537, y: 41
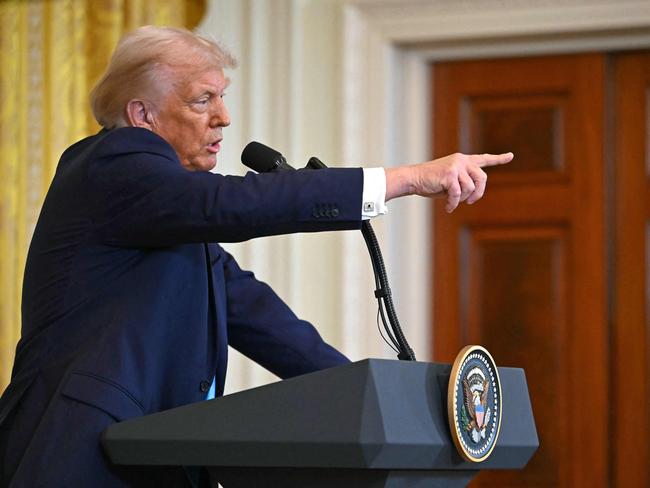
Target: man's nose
x: 220, y: 117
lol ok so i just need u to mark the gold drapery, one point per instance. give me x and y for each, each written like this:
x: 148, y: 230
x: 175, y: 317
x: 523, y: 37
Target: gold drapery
x: 51, y: 54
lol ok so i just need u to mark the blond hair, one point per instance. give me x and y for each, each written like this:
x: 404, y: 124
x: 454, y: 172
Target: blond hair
x: 143, y: 64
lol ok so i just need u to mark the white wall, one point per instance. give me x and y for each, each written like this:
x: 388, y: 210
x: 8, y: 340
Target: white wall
x: 348, y: 81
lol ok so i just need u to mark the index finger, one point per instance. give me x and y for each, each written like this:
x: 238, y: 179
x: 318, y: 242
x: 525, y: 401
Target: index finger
x: 483, y: 160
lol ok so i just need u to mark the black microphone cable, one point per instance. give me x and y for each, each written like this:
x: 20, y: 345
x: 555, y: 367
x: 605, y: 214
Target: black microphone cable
x: 383, y: 293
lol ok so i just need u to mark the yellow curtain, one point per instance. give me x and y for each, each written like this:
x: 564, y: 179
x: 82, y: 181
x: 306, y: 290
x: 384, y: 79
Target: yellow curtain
x: 51, y: 53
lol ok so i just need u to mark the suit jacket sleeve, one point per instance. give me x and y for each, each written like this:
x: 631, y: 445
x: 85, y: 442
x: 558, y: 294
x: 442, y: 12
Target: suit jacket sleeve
x: 262, y: 327
x: 142, y: 196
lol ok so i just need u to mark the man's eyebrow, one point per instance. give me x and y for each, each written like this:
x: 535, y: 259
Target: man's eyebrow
x: 211, y: 91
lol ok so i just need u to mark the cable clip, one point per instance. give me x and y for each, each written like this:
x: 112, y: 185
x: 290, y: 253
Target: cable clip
x: 382, y: 293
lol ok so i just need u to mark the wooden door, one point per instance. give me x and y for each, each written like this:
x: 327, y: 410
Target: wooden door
x: 631, y: 357
x: 523, y: 272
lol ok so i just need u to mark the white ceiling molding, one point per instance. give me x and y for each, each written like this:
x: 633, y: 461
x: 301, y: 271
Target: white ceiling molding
x: 447, y: 29
x: 414, y: 21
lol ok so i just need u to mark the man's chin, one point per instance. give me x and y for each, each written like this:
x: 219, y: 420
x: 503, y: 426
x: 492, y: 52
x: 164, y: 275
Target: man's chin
x: 203, y: 164
x: 211, y: 163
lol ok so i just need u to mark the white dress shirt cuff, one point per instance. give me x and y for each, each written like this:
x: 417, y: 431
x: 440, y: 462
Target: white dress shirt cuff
x: 374, y: 193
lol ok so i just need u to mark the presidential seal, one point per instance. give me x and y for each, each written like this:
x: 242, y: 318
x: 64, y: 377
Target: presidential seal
x: 474, y: 403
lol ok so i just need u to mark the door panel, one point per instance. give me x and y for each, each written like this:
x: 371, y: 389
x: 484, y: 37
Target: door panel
x: 516, y: 275
x: 530, y: 125
x: 631, y: 372
x: 523, y: 271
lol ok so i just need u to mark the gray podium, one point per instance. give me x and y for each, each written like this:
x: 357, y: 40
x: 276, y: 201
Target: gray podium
x: 373, y: 423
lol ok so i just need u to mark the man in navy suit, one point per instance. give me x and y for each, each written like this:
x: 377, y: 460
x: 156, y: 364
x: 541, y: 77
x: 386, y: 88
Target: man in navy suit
x: 129, y: 302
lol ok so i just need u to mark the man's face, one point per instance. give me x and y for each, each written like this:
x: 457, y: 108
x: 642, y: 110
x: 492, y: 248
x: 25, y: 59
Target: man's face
x: 191, y: 117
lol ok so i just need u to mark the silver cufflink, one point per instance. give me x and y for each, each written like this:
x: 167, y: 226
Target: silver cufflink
x: 369, y: 207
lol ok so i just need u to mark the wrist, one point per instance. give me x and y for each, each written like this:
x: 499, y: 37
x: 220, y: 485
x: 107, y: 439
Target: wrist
x: 400, y: 181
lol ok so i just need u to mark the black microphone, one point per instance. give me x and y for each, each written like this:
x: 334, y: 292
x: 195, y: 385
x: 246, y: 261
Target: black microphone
x: 263, y: 159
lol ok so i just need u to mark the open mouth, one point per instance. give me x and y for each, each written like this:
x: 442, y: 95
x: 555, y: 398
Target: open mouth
x: 214, y: 147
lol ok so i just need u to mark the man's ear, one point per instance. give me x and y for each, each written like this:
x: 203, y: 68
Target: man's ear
x: 138, y: 114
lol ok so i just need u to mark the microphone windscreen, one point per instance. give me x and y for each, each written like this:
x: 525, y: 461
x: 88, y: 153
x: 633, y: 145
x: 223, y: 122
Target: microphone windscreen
x: 261, y: 158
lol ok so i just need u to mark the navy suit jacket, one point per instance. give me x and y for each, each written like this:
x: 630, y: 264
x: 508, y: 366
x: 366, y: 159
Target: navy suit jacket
x: 129, y: 303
